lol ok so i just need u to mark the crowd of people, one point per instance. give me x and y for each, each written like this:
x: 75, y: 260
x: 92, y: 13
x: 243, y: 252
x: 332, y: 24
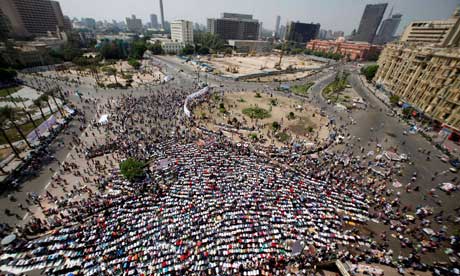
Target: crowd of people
x: 209, y: 206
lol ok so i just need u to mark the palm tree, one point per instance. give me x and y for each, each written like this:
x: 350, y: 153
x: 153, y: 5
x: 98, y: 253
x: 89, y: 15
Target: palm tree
x: 38, y: 103
x: 31, y: 120
x: 45, y: 99
x: 51, y: 93
x: 10, y: 114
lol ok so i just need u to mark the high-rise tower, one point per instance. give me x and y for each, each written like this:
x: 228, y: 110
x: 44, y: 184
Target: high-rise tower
x: 162, y: 15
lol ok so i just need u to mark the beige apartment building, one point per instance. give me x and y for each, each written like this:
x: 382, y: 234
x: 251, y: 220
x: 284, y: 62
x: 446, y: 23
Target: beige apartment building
x: 444, y: 33
x: 425, y: 77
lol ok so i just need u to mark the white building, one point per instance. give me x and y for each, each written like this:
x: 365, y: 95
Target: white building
x: 169, y: 46
x: 182, y: 31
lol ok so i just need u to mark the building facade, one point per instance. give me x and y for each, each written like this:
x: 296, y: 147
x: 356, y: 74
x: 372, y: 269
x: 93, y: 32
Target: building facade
x: 302, y: 32
x: 182, y: 31
x: 234, y: 26
x: 251, y: 46
x: 154, y: 21
x: 33, y: 17
x: 424, y: 77
x: 134, y: 24
x: 277, y: 26
x: 370, y: 22
x: 350, y: 49
x: 388, y: 29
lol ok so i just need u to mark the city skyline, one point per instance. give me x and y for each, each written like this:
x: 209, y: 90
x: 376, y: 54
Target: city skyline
x: 294, y: 10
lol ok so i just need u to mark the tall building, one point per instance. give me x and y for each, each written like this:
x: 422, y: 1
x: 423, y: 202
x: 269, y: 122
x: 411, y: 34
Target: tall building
x: 444, y: 33
x: 154, y: 21
x: 162, y: 15
x: 282, y: 32
x: 134, y: 24
x: 182, y: 31
x: 302, y: 32
x: 370, y: 22
x: 33, y: 17
x: 234, y: 26
x: 277, y: 26
x: 388, y: 29
x: 425, y: 77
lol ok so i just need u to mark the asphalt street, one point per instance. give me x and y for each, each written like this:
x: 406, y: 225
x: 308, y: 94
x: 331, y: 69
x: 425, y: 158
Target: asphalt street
x: 372, y: 126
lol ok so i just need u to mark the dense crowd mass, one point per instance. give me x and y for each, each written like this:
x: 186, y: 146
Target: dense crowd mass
x: 209, y: 206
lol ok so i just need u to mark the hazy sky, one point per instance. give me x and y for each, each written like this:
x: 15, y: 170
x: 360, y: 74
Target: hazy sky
x: 331, y: 14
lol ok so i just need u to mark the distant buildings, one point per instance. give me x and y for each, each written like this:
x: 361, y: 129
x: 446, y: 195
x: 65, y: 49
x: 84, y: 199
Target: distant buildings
x: 154, y: 21
x: 352, y: 50
x: 425, y: 77
x: 370, y: 22
x: 277, y: 26
x: 388, y: 29
x: 163, y: 26
x: 169, y: 46
x: 234, y: 26
x: 443, y: 33
x: 182, y: 31
x: 301, y: 32
x: 329, y: 34
x: 134, y: 24
x: 248, y: 46
x: 34, y: 17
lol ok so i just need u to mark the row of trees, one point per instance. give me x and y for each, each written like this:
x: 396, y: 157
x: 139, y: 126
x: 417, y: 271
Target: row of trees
x: 11, y: 115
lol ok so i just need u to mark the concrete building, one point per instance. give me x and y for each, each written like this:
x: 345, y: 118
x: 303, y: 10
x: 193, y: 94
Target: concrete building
x: 353, y: 50
x: 234, y: 26
x: 182, y: 31
x: 301, y: 32
x: 134, y: 24
x: 444, y: 33
x: 277, y: 26
x: 154, y: 21
x: 370, y: 22
x: 169, y: 46
x: 424, y: 77
x: 162, y: 15
x: 33, y: 17
x: 388, y: 29
x: 251, y: 46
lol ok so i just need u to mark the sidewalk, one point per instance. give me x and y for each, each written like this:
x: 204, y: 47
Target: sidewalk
x: 448, y: 145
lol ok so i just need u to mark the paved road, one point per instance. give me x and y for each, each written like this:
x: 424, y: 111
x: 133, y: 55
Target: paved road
x: 372, y: 124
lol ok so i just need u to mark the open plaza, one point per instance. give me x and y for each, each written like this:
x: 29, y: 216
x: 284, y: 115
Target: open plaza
x: 255, y: 180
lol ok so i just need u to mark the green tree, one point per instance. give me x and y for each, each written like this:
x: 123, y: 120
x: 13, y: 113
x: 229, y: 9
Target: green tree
x: 394, y: 99
x: 3, y: 121
x: 208, y: 40
x: 111, y: 72
x: 38, y: 102
x: 203, y: 51
x: 138, y: 47
x: 132, y: 169
x: 11, y: 114
x: 188, y: 50
x: 156, y: 48
x: 7, y: 74
x: 276, y: 126
x: 134, y: 63
x: 369, y: 71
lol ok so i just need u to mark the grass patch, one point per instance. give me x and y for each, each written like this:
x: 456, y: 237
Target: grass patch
x: 256, y: 113
x: 282, y: 137
x: 302, y: 90
x: 26, y: 128
x: 4, y: 91
x: 12, y: 99
x: 332, y: 90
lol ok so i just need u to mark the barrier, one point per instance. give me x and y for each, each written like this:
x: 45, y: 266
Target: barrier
x: 193, y: 96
